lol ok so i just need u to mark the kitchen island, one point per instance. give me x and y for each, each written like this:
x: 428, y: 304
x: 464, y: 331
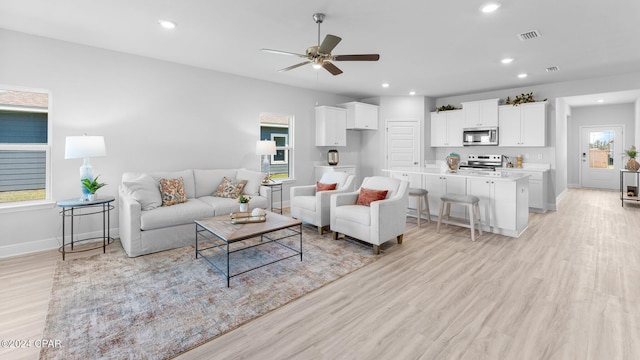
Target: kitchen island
x: 504, y: 195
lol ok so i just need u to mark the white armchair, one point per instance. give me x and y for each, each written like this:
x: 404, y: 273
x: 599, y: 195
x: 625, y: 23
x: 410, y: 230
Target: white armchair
x: 311, y: 206
x: 377, y: 223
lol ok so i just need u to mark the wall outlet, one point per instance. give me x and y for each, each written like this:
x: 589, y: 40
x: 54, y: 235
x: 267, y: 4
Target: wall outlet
x: 539, y: 156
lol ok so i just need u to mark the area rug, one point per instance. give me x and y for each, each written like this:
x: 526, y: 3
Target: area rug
x: 156, y: 306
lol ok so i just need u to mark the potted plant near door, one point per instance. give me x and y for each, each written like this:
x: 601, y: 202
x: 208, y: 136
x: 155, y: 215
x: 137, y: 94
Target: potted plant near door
x: 92, y: 186
x: 632, y: 164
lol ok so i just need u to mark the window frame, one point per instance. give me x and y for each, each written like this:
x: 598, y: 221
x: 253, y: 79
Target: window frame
x: 47, y: 202
x: 288, y: 148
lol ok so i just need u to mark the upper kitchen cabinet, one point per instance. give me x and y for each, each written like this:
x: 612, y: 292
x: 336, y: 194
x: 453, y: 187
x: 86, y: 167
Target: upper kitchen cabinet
x: 523, y: 125
x: 361, y: 116
x: 331, y: 126
x: 446, y: 128
x: 480, y: 113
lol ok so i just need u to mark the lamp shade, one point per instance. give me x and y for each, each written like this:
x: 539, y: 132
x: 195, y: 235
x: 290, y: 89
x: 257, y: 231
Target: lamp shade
x: 84, y: 147
x: 265, y: 147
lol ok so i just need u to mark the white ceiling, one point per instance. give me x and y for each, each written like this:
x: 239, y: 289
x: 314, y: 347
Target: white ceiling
x: 436, y: 49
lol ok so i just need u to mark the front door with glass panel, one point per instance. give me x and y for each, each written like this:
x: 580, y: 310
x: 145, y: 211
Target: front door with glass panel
x: 600, y: 156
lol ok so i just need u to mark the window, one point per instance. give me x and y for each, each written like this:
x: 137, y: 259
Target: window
x: 279, y: 128
x: 24, y: 146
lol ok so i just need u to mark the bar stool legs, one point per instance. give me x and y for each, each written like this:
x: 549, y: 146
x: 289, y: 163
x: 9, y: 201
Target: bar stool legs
x: 421, y: 194
x: 471, y: 202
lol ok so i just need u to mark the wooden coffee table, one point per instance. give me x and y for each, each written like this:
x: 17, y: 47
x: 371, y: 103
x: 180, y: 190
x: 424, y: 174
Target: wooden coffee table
x: 219, y: 233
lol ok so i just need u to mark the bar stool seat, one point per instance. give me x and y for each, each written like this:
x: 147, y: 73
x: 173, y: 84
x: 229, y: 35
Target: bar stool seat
x: 421, y: 194
x: 471, y: 202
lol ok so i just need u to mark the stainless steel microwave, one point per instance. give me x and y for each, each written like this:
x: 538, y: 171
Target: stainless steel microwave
x: 480, y: 136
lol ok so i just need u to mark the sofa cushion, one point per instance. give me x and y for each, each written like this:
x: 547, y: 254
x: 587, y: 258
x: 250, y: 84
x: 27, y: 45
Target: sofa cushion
x: 367, y: 196
x: 179, y: 214
x: 354, y: 213
x: 254, y: 179
x: 186, y: 175
x: 207, y: 181
x: 230, y: 188
x: 145, y: 190
x: 324, y: 187
x: 304, y: 202
x: 223, y: 206
x: 172, y: 191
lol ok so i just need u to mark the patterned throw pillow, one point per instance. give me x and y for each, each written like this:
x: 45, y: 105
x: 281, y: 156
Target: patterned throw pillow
x: 230, y: 188
x: 323, y: 187
x: 367, y: 196
x: 172, y: 191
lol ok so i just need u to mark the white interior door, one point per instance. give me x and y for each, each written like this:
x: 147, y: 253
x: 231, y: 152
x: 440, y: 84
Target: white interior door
x: 403, y: 143
x: 600, y: 156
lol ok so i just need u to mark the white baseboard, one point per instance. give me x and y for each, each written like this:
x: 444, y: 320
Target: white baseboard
x: 46, y: 244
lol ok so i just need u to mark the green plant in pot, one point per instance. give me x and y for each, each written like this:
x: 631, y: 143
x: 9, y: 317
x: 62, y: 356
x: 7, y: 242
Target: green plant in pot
x: 244, y: 202
x: 92, y: 186
x: 632, y: 164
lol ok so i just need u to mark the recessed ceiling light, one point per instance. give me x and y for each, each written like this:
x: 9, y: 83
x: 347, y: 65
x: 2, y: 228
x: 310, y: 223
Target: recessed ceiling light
x: 412, y: 93
x: 522, y: 76
x: 507, y: 60
x: 490, y: 7
x: 385, y: 85
x: 600, y: 100
x: 167, y: 24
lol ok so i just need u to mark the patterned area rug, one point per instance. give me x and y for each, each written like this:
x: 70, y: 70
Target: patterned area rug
x: 159, y: 305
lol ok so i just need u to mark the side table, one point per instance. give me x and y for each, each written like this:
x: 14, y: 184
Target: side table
x: 72, y: 208
x: 275, y: 187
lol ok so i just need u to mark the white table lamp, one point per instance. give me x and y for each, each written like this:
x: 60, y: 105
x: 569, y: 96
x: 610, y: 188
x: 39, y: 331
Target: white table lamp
x: 265, y: 148
x: 85, y: 147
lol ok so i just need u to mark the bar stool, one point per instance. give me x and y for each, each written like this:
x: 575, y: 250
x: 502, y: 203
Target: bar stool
x: 421, y: 194
x: 470, y: 201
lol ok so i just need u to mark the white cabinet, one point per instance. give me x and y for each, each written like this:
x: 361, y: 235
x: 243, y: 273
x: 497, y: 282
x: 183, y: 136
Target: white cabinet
x: 321, y: 169
x: 331, y: 126
x: 481, y: 113
x: 537, y: 189
x: 361, y: 116
x: 503, y: 204
x: 523, y: 125
x: 438, y: 185
x: 446, y: 128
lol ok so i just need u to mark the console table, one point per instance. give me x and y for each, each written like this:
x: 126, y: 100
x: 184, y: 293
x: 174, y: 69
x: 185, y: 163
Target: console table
x: 72, y: 208
x: 623, y: 192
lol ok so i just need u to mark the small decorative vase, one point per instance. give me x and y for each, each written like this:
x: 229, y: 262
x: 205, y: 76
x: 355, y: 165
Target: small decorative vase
x: 333, y: 157
x: 633, y: 165
x: 92, y: 197
x: 244, y: 207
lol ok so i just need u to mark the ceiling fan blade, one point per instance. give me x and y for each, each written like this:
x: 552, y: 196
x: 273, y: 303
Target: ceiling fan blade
x: 331, y: 68
x: 360, y: 57
x: 329, y: 42
x: 295, y: 66
x: 283, y: 53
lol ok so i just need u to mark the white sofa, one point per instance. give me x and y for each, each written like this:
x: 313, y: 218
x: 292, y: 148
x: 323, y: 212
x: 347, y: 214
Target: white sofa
x: 146, y: 227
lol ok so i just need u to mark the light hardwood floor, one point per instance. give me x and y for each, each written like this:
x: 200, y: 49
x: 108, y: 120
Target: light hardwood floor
x: 568, y: 288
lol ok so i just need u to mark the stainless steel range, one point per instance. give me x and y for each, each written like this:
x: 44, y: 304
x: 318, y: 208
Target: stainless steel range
x: 483, y: 162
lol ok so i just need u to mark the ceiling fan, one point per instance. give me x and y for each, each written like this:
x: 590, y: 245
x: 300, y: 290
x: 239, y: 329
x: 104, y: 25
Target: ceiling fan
x: 319, y: 56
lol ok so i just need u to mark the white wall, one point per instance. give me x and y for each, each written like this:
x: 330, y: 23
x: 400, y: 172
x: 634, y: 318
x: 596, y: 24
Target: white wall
x: 154, y: 115
x: 617, y: 114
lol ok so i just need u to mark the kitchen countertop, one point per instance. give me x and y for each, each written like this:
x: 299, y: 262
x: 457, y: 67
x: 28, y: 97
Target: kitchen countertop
x: 509, y: 174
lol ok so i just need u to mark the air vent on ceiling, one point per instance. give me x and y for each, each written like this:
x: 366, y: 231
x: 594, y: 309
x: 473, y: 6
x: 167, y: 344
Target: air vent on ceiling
x: 552, y: 68
x: 529, y: 35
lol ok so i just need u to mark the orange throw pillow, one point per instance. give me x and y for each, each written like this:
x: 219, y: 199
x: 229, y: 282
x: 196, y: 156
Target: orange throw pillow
x: 367, y: 196
x: 323, y: 187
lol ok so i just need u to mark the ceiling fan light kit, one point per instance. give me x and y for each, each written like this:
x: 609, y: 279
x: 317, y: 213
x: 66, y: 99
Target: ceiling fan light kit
x: 319, y: 56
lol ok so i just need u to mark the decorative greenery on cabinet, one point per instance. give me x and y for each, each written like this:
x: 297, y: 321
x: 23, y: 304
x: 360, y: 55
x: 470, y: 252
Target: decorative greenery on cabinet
x: 522, y: 99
